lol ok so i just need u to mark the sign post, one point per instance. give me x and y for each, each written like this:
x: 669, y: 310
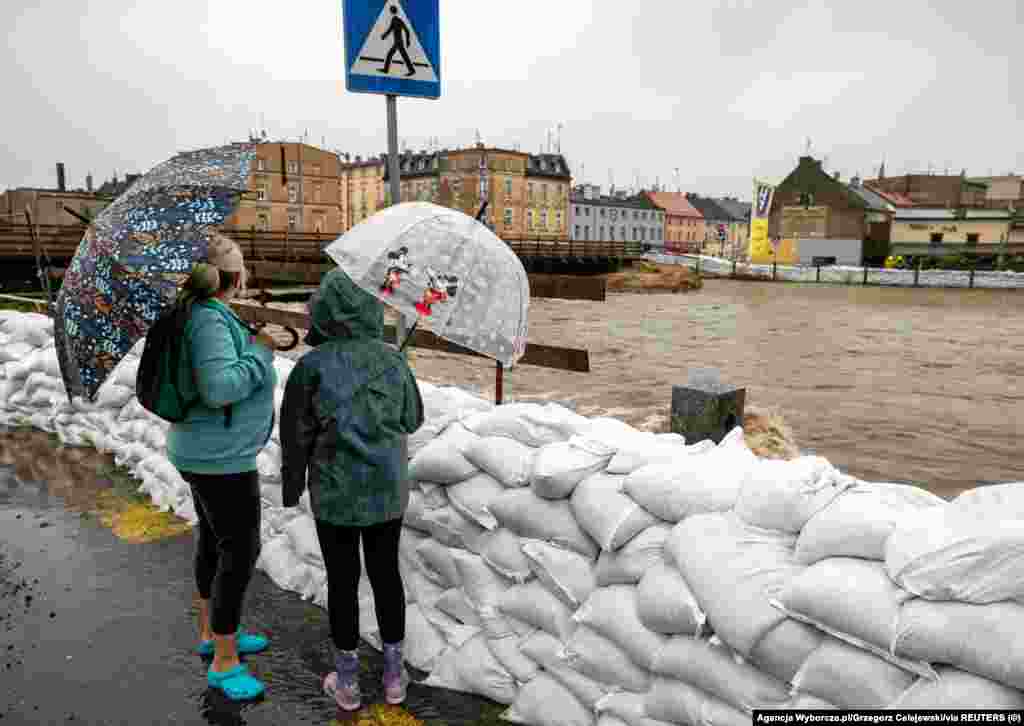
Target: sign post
x: 393, y: 48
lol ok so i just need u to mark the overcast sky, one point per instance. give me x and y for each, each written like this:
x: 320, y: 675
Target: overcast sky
x: 721, y: 89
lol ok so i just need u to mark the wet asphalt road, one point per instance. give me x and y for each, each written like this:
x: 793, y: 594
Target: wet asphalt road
x: 95, y: 630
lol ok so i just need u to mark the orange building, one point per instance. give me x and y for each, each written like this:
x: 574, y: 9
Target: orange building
x: 684, y: 225
x: 293, y: 187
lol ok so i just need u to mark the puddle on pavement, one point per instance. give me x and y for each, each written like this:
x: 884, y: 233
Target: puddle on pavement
x: 86, y: 482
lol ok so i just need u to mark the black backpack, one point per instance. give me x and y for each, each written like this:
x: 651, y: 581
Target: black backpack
x: 157, y: 385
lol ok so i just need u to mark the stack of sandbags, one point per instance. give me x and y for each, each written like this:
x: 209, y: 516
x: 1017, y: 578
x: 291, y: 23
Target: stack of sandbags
x: 30, y: 380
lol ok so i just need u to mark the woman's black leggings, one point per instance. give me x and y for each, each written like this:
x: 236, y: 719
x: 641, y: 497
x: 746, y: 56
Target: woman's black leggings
x: 340, y: 547
x: 228, y: 507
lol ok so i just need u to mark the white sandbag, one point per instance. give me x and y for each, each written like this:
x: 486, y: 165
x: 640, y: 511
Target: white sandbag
x: 987, y: 640
x: 127, y: 371
x: 528, y: 423
x: 637, y: 451
x: 282, y: 565
x: 597, y: 657
x: 605, y: 513
x: 32, y: 328
x: 435, y: 495
x: 507, y: 651
x: 548, y: 651
x: 526, y: 514
x: 784, y: 495
x: 415, y: 511
x: 627, y: 565
x: 114, y: 395
x: 505, y: 459
x: 455, y: 633
x: 681, y: 703
x: 457, y: 435
x: 426, y: 433
x: 545, y: 702
x: 712, y: 668
x: 483, y: 586
x: 999, y: 501
x: 625, y: 708
x: 533, y: 603
x: 442, y: 463
x: 423, y: 644
x: 14, y: 351
x: 957, y: 689
x: 473, y: 496
x: 611, y: 611
x: 454, y: 603
x: 502, y: 549
x: 854, y: 600
x: 559, y: 467
x: 733, y: 570
x: 942, y: 554
x: 859, y: 521
x: 448, y: 526
x: 785, y: 647
x: 851, y: 677
x: 301, y: 532
x: 567, y: 574
x: 665, y: 604
x: 542, y: 648
x: 690, y: 485
x: 436, y: 563
x: 272, y: 495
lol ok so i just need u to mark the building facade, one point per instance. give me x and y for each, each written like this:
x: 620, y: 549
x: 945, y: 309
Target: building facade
x: 48, y: 206
x: 933, y: 190
x: 717, y: 222
x: 941, y: 229
x: 527, y: 195
x: 684, y: 225
x: 1004, y: 192
x: 293, y: 187
x: 739, y: 226
x: 593, y: 216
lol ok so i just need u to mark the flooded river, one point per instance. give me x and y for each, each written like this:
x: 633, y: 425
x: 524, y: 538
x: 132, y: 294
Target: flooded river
x: 889, y: 384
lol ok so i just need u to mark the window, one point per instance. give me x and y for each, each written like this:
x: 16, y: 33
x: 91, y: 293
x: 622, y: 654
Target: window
x: 973, y: 238
x: 318, y: 224
x: 261, y: 164
x: 529, y: 219
x: 261, y: 192
x: 602, y: 232
x: 558, y: 220
x: 293, y: 192
x: 544, y: 191
x: 602, y: 212
x: 636, y: 214
x: 586, y: 232
x: 316, y: 170
x: 508, y: 187
x: 293, y: 221
x: 544, y: 219
x: 611, y: 234
x: 586, y: 211
x: 530, y: 191
x: 293, y: 167
x: 263, y: 223
x: 508, y: 216
x: 643, y: 215
x: 317, y: 190
x: 576, y: 233
x: 936, y: 239
x: 576, y: 211
x: 624, y: 238
x: 636, y: 234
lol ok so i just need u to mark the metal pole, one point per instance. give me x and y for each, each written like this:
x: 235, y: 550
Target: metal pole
x: 406, y: 324
x: 499, y: 381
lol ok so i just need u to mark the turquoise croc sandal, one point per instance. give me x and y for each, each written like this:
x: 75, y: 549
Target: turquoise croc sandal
x: 236, y: 684
x: 248, y: 643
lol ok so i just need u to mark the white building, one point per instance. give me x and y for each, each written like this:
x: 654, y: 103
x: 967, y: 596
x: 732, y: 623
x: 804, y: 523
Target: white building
x: 616, y: 218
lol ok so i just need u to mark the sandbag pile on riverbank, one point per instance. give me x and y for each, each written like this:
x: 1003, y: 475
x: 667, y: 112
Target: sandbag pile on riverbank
x: 583, y: 572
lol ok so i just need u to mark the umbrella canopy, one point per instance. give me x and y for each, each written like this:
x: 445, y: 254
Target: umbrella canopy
x: 135, y: 255
x: 446, y: 269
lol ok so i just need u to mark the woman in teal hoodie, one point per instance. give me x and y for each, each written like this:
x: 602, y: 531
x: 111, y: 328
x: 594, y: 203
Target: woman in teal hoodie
x: 231, y: 374
x: 348, y: 408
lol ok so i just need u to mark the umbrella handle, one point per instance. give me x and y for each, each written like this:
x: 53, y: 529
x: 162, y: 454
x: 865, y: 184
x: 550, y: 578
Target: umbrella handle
x: 409, y: 336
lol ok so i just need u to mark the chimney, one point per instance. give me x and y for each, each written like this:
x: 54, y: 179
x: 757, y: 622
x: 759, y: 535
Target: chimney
x: 88, y: 182
x: 60, y: 177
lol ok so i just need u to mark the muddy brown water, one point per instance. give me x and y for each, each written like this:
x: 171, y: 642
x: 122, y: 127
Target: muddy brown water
x: 889, y: 384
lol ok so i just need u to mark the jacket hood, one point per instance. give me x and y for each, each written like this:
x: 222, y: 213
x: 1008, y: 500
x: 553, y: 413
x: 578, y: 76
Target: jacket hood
x: 342, y: 309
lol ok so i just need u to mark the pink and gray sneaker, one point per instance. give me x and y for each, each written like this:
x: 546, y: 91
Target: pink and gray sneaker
x: 343, y: 682
x: 396, y: 678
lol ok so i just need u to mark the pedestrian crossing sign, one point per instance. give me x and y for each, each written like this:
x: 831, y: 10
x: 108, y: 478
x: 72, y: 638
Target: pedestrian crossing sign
x: 393, y: 47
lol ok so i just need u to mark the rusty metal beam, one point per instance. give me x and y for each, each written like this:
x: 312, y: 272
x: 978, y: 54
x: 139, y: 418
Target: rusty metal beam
x: 545, y: 356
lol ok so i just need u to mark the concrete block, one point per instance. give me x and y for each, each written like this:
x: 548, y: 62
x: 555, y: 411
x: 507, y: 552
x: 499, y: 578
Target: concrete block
x: 706, y: 408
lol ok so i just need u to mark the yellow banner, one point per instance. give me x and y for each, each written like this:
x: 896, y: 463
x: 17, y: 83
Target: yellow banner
x: 760, y: 246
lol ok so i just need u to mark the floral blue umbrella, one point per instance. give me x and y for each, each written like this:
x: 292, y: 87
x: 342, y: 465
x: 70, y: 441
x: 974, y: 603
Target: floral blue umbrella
x: 136, y: 254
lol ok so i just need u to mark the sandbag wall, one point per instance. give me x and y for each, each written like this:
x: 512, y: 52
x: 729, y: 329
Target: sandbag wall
x: 583, y: 572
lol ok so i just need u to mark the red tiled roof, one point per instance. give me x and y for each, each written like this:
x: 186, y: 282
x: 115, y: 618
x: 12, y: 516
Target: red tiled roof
x: 674, y: 203
x: 894, y: 198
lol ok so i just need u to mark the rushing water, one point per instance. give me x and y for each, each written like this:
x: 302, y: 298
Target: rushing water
x: 889, y: 384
